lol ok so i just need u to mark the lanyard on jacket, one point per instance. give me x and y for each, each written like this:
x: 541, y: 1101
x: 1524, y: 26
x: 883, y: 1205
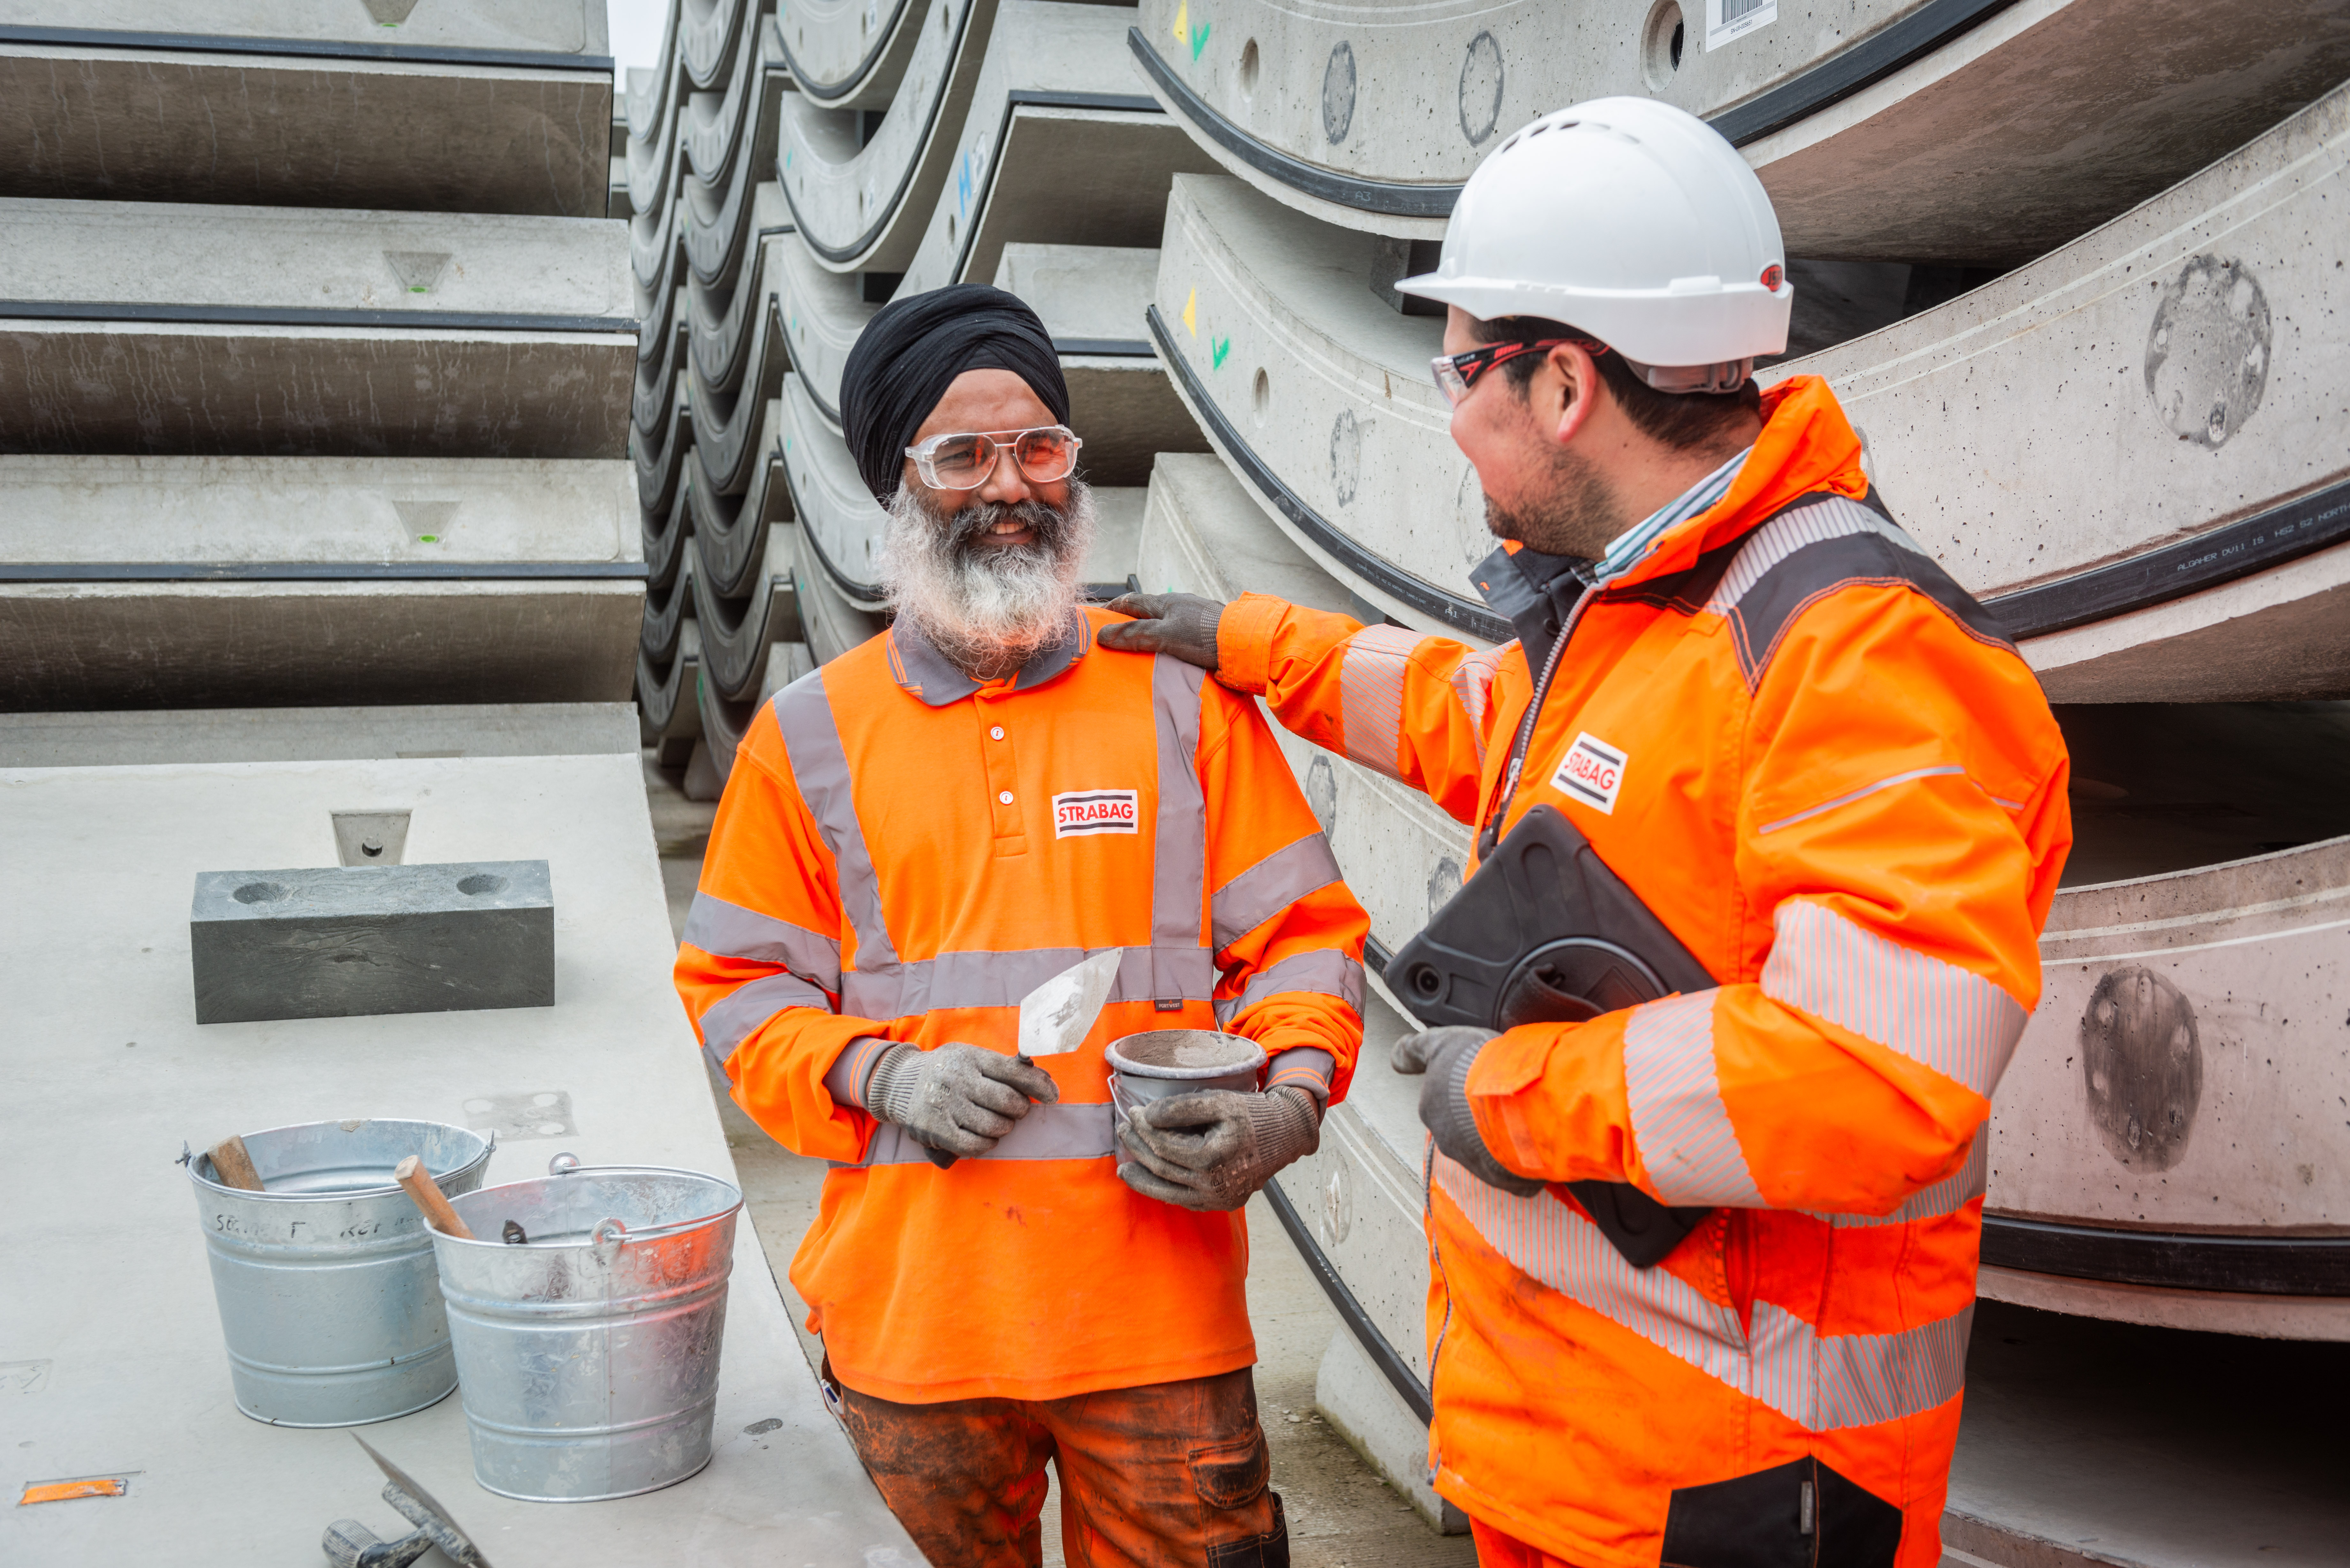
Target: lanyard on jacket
x: 1491, y: 833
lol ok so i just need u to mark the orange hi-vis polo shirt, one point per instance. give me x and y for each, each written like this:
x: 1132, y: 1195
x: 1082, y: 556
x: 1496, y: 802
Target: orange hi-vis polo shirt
x: 1824, y: 767
x: 903, y: 855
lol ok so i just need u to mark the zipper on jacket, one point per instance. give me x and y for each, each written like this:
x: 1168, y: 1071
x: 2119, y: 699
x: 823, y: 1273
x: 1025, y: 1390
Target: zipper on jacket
x: 1491, y: 834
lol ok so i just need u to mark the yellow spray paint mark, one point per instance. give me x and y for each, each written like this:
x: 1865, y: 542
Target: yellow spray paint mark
x: 1183, y: 22
x: 1192, y: 314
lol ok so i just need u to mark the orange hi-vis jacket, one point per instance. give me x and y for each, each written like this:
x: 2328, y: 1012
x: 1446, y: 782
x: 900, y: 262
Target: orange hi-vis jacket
x: 903, y: 855
x: 1823, y: 767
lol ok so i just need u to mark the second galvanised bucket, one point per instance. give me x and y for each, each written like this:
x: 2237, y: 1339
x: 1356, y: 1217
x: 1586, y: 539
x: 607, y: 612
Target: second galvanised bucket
x: 587, y: 1351
x: 328, y: 1297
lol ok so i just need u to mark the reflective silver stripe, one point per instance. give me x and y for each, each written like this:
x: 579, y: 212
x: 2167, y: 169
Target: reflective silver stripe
x: 1819, y: 1381
x: 1686, y: 1141
x: 1473, y: 683
x: 1269, y: 887
x: 1178, y: 867
x: 979, y: 979
x: 1781, y: 537
x: 1324, y: 971
x: 1948, y: 1196
x: 731, y: 1019
x: 1046, y: 1132
x: 1946, y: 1018
x: 1370, y: 695
x: 820, y: 769
x: 1861, y: 794
x: 729, y: 930
x: 1308, y: 1066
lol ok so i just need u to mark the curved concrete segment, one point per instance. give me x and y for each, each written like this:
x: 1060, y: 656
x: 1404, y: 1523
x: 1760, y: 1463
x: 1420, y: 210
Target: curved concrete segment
x: 857, y: 202
x: 840, y: 522
x: 2134, y: 449
x: 834, y: 624
x: 1319, y: 396
x: 134, y: 582
x: 737, y: 635
x: 1057, y: 147
x: 852, y: 54
x: 730, y: 531
x: 726, y: 423
x: 1948, y: 131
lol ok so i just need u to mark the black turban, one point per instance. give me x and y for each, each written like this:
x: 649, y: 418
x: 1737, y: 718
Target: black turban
x: 914, y: 347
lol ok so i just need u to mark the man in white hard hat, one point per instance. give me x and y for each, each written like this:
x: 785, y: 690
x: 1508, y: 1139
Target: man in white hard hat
x: 1770, y: 813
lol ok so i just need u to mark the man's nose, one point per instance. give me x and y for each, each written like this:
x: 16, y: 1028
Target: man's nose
x: 1005, y: 482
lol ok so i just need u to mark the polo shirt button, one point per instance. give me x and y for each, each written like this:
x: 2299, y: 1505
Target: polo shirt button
x: 1005, y: 798
x: 996, y: 733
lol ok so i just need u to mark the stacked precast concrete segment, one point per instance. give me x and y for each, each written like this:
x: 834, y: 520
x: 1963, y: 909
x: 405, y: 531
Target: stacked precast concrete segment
x: 876, y: 154
x: 2085, y: 313
x: 314, y: 358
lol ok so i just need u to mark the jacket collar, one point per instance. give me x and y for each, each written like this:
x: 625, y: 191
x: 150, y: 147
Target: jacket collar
x: 923, y: 671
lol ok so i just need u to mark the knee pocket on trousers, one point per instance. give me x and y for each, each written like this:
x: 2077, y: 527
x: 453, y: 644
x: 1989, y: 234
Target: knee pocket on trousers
x: 1270, y: 1550
x: 1231, y: 1475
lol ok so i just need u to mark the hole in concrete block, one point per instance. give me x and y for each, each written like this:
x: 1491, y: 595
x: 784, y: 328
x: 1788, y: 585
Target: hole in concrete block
x: 482, y: 882
x: 1249, y: 64
x: 260, y: 893
x: 377, y: 837
x: 1660, y: 46
x: 1261, y: 395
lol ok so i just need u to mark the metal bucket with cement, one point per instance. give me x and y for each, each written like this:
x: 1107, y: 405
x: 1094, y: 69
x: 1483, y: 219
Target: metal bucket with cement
x: 328, y: 1298
x: 588, y: 1351
x: 1163, y: 1063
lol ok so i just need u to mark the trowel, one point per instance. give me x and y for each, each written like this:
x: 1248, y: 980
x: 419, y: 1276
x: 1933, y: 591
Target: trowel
x: 351, y: 1544
x: 1056, y: 1017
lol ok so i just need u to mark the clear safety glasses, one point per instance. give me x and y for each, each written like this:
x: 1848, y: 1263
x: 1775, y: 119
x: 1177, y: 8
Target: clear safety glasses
x: 1456, y: 373
x: 963, y: 459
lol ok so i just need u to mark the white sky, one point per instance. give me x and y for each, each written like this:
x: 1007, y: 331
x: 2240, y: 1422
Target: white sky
x: 636, y: 34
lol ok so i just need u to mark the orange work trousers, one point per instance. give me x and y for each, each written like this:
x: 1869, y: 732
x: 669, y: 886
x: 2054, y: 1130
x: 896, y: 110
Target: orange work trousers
x: 1169, y: 1475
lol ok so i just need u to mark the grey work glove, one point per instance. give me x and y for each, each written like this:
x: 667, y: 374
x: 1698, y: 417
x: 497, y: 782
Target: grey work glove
x: 1209, y: 1151
x: 1181, y: 626
x: 960, y: 1098
x: 1445, y: 1055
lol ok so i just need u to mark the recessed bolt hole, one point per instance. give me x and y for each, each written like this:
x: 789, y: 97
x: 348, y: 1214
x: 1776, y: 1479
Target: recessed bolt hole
x: 1261, y: 395
x: 260, y: 893
x: 370, y: 848
x: 479, y: 883
x: 1248, y: 68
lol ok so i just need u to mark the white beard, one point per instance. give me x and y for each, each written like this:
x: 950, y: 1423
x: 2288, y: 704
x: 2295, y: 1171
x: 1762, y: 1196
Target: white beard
x: 987, y: 607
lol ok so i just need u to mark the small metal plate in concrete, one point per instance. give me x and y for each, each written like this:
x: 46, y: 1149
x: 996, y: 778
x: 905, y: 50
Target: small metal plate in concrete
x: 343, y: 941
x: 516, y: 1117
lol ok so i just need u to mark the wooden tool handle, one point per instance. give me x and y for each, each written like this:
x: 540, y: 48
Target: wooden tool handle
x: 425, y: 1193
x: 233, y: 1166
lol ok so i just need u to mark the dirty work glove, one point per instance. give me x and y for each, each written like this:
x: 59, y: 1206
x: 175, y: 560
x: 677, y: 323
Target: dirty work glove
x: 1445, y: 1055
x: 960, y: 1098
x: 1181, y: 626
x: 1210, y: 1151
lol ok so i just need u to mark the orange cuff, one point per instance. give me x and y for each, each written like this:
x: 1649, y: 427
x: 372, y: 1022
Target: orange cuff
x: 1244, y: 642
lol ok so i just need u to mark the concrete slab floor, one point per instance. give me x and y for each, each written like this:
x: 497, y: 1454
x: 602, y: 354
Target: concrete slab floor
x: 1341, y: 1514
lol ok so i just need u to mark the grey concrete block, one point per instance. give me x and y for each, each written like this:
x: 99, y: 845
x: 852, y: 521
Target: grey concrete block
x: 345, y: 941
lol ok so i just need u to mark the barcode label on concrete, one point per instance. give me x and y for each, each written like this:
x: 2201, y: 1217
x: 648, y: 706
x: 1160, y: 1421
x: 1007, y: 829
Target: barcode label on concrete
x: 1726, y: 20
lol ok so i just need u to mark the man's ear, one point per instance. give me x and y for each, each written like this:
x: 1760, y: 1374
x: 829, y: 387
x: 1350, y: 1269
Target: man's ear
x: 1579, y: 389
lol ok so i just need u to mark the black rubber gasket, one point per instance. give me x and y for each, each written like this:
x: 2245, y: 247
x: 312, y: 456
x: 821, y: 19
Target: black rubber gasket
x: 2256, y: 543
x: 1105, y: 348
x: 114, y: 311
x: 1831, y: 81
x: 2260, y: 1265
x: 312, y: 571
x: 1396, y: 1371
x: 314, y: 48
x: 856, y: 79
x: 1450, y: 608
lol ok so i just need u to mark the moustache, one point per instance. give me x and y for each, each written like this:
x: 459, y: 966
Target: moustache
x: 965, y: 529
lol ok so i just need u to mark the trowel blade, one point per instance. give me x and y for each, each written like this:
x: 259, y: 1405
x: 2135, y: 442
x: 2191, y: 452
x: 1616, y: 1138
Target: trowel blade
x: 468, y: 1555
x: 1057, y: 1016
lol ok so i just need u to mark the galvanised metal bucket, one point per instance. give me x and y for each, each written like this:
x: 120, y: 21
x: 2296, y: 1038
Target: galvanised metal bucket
x: 588, y: 1354
x: 328, y: 1298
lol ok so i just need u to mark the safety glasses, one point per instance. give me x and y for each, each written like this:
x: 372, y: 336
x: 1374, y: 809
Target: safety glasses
x: 1456, y: 373
x: 963, y: 459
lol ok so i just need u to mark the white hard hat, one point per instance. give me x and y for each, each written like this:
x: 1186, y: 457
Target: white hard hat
x: 1632, y: 221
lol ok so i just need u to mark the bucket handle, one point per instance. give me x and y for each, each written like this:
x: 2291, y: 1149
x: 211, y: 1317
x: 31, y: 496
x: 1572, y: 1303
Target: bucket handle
x: 563, y: 1164
x: 607, y: 1236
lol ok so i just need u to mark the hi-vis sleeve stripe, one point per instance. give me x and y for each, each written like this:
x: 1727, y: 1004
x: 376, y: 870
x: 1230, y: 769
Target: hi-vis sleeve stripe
x: 1324, y: 971
x: 1269, y: 887
x: 1473, y: 683
x: 1935, y: 1013
x: 728, y: 931
x: 1686, y: 1141
x: 820, y: 769
x: 1370, y: 696
x: 1822, y: 1382
x: 732, y: 1017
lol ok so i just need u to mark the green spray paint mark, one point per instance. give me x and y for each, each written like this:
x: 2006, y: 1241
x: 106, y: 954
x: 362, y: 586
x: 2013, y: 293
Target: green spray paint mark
x: 1223, y: 346
x: 1199, y: 39
x: 428, y: 538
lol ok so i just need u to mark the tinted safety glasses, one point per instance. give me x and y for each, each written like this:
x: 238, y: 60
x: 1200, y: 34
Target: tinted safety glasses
x: 963, y: 459
x: 1456, y: 373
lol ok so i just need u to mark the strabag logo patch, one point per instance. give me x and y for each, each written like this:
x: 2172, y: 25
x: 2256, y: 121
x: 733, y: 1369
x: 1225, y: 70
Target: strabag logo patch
x: 1092, y: 810
x: 1592, y: 772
